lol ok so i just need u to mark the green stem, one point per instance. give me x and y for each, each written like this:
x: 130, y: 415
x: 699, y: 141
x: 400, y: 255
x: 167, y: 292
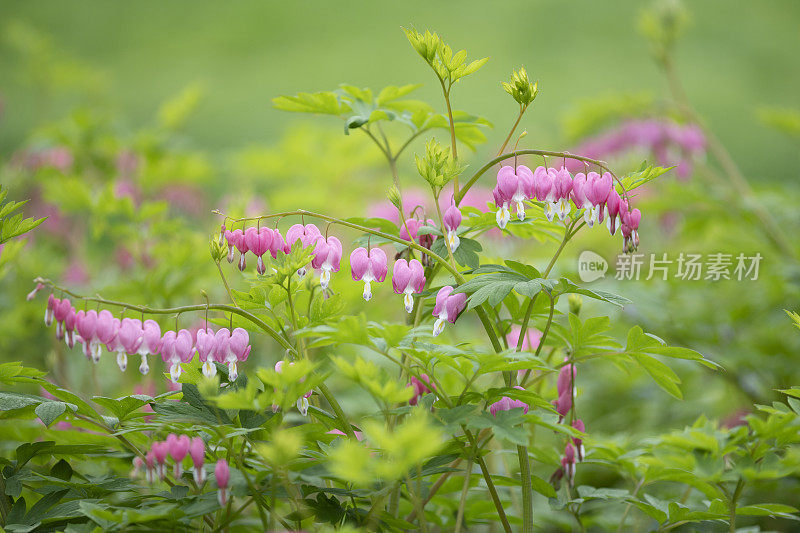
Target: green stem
x: 446, y: 93
x: 734, y: 499
x: 225, y: 282
x: 527, y: 491
x: 513, y: 128
x: 463, y: 501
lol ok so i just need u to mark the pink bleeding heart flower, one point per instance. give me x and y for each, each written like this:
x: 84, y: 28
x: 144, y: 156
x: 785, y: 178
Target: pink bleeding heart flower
x: 61, y: 309
x: 327, y: 256
x: 218, y: 353
x: 230, y: 239
x: 504, y: 193
x: 563, y: 187
x: 506, y: 404
x: 197, y: 451
x: 223, y: 475
x: 630, y: 227
x: 421, y: 386
x: 107, y: 330
x: 578, y: 424
x: 368, y: 267
x: 86, y: 324
x: 129, y: 340
x: 176, y: 348
x: 568, y: 463
x: 70, y: 321
x: 178, y: 448
x: 598, y: 190
x: 151, y: 343
x: 278, y: 244
x: 408, y: 277
x: 579, y: 196
x: 238, y: 350
x: 31, y: 295
x: 160, y: 450
x: 241, y: 244
x: 544, y: 185
x: 613, y: 204
x: 409, y: 229
x: 448, y: 307
x: 516, y: 185
x: 50, y: 311
x: 205, y: 348
x: 307, y: 235
x: 259, y: 242
x: 452, y: 220
x: 150, y: 463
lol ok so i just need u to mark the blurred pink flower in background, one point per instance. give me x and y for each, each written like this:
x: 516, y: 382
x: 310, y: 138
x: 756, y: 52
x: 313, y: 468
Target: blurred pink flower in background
x: 76, y: 273
x: 127, y: 163
x: 187, y: 198
x: 668, y: 142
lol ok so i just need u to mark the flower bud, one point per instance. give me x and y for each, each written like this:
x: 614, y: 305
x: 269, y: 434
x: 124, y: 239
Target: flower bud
x: 575, y: 304
x: 520, y: 88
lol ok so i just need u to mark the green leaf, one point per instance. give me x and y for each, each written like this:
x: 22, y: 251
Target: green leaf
x: 48, y: 412
x: 661, y: 374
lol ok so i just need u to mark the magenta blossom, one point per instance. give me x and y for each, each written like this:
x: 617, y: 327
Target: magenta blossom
x: 568, y: 463
x: 197, y: 451
x: 278, y: 244
x: 205, y: 350
x: 408, y: 278
x: 578, y: 424
x: 259, y: 242
x: 307, y: 235
x: 176, y: 348
x: 151, y: 343
x: 86, y: 324
x: 544, y: 187
x: 219, y: 352
x: 238, y: 350
x: 129, y: 339
x: 327, y: 256
x: 61, y: 308
x: 50, y: 310
x: 223, y: 475
x: 506, y: 404
x: 70, y: 321
x: 630, y: 227
x: 448, y: 307
x: 614, y: 203
x: 368, y: 267
x: 107, y: 329
x: 452, y: 220
x: 160, y: 450
x: 421, y: 386
x: 562, y: 187
x: 178, y: 449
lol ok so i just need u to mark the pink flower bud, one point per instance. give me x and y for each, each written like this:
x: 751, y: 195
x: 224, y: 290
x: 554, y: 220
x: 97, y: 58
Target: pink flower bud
x: 223, y: 475
x: 421, y: 386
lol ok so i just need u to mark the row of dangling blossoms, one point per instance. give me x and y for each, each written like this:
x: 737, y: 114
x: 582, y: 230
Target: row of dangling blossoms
x: 132, y: 336
x: 591, y: 193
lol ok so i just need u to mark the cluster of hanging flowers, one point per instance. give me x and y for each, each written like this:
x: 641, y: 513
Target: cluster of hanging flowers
x: 260, y: 241
x: 592, y: 193
x: 131, y: 336
x: 177, y: 448
x: 573, y: 451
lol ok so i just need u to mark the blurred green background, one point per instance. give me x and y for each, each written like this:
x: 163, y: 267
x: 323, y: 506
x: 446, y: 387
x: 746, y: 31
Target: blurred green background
x: 735, y: 57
